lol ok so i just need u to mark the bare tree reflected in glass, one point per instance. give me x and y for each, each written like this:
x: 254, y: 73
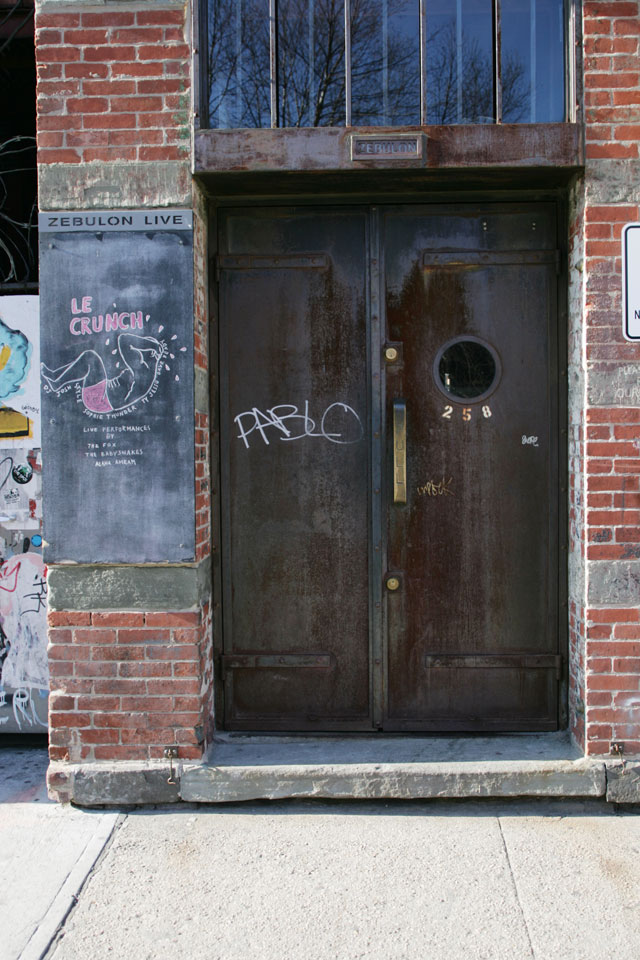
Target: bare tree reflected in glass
x: 311, y: 71
x: 385, y: 67
x: 477, y: 81
x: 311, y: 80
x: 238, y: 64
x: 385, y: 63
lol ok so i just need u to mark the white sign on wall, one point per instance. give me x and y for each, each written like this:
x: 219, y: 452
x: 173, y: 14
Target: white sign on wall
x: 631, y: 281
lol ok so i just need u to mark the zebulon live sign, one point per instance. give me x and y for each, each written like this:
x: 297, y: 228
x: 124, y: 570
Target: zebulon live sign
x: 116, y: 313
x: 631, y: 281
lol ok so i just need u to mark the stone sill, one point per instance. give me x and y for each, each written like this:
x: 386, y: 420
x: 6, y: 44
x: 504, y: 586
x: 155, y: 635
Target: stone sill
x: 259, y: 768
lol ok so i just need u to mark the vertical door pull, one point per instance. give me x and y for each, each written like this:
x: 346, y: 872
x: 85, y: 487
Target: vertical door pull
x: 399, y: 451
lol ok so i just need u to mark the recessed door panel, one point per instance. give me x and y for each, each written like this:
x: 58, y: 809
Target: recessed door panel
x: 471, y: 628
x: 294, y: 414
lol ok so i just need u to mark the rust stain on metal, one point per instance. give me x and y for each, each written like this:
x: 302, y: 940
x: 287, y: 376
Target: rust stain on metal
x: 330, y: 148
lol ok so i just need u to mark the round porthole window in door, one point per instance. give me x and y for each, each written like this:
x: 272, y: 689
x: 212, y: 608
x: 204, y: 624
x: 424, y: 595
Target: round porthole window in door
x: 467, y: 368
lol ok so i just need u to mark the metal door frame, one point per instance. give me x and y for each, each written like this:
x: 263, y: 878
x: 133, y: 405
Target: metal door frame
x: 377, y: 494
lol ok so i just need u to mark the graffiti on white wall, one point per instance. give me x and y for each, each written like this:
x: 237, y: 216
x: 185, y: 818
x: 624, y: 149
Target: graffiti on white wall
x: 23, y: 640
x: 24, y: 675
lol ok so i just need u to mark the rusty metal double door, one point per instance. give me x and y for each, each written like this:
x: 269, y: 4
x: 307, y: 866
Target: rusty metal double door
x: 389, y: 484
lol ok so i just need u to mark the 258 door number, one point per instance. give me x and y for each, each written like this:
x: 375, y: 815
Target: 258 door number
x: 466, y: 412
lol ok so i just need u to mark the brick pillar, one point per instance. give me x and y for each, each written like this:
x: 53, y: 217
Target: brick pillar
x: 130, y: 647
x: 612, y: 365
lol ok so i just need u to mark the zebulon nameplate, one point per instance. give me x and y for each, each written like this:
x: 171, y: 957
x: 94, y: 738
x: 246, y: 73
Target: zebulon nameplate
x: 116, y: 308
x: 376, y: 147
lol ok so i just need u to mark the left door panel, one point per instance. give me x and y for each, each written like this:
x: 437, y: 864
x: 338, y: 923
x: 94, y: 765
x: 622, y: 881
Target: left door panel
x: 295, y: 468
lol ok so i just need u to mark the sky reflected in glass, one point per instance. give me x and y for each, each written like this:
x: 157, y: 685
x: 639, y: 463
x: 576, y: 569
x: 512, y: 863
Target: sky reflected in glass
x: 311, y: 78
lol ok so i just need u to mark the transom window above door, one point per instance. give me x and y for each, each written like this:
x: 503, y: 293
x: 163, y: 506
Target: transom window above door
x: 385, y: 63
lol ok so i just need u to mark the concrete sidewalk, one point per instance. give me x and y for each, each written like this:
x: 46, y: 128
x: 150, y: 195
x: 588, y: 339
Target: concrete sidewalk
x: 46, y: 853
x: 339, y: 881
x: 322, y: 880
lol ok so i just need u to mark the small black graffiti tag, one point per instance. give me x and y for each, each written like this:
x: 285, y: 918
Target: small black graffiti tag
x: 38, y: 596
x: 602, y: 536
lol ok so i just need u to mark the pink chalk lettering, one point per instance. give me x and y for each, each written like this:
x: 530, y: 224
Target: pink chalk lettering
x: 86, y: 305
x: 114, y: 321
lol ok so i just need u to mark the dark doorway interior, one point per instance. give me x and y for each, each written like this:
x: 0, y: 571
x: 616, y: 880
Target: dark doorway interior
x: 18, y: 178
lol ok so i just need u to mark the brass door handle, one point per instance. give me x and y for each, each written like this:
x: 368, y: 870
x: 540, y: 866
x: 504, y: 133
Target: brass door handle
x: 399, y: 451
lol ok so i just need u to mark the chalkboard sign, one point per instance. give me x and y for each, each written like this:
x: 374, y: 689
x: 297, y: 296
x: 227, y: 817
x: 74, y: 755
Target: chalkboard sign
x: 116, y: 315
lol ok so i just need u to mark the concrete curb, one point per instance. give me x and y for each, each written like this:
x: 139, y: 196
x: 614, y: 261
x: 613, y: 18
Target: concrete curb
x: 67, y: 895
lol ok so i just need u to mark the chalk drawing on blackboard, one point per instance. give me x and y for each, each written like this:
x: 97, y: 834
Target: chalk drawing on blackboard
x: 143, y: 360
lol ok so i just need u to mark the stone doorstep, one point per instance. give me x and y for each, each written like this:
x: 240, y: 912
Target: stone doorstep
x: 263, y: 768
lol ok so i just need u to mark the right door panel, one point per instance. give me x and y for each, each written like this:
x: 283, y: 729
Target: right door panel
x: 472, y: 638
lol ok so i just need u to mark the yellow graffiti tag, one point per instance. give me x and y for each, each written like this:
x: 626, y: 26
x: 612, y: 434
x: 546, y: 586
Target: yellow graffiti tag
x: 440, y: 488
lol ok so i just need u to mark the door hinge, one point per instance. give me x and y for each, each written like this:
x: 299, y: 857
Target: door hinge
x: 559, y: 666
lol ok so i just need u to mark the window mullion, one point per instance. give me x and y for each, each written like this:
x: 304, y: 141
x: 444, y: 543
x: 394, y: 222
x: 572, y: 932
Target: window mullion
x: 347, y: 62
x: 497, y: 61
x: 273, y: 61
x: 459, y: 68
x: 571, y: 83
x: 423, y: 62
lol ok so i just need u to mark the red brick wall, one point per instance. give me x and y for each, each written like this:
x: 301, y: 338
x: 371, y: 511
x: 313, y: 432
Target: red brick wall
x: 612, y: 113
x: 612, y: 74
x: 112, y: 85
x: 125, y: 685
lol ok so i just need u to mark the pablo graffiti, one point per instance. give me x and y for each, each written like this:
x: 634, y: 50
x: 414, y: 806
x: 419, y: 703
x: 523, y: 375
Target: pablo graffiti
x: 339, y: 423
